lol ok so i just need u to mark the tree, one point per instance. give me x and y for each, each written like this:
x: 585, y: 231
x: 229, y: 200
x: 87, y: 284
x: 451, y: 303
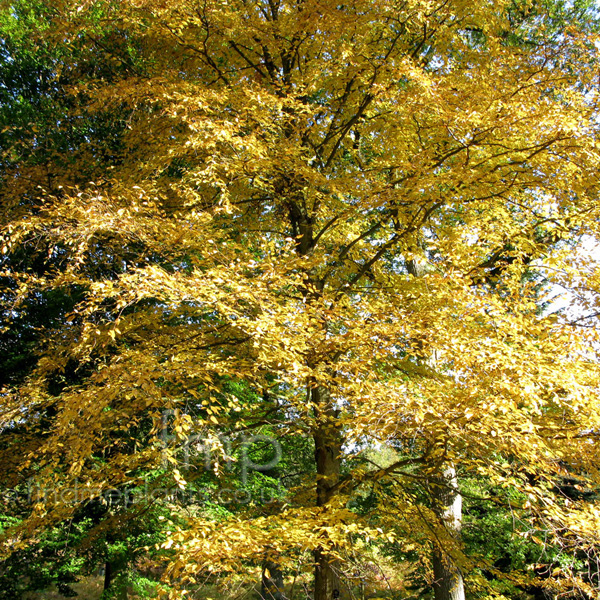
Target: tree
x: 336, y: 205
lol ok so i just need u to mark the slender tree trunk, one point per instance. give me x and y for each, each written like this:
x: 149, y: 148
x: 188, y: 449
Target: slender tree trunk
x: 447, y: 502
x: 272, y: 587
x: 107, y: 575
x: 111, y: 570
x: 328, y: 446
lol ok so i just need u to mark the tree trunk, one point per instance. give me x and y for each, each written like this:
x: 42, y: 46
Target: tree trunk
x: 328, y: 446
x: 447, y: 503
x: 108, y: 575
x: 111, y: 570
x: 272, y: 587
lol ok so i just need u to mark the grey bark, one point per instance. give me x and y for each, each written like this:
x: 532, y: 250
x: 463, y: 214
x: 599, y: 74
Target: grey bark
x: 447, y: 502
x: 272, y: 587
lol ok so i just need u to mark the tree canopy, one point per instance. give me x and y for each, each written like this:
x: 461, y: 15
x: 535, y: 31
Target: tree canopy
x: 332, y: 223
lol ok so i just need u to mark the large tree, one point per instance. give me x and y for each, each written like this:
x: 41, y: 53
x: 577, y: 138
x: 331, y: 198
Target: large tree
x: 348, y: 207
